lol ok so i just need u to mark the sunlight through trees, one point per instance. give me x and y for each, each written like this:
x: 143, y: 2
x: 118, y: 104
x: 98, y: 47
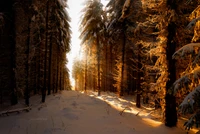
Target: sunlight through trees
x: 148, y: 50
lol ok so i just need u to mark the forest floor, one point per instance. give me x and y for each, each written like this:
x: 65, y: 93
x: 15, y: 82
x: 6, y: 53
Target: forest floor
x: 73, y: 112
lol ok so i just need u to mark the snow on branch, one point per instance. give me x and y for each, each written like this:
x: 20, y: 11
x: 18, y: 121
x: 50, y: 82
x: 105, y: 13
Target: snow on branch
x: 187, y: 104
x: 188, y: 1
x: 192, y: 23
x: 125, y: 10
x: 185, y: 80
x: 187, y: 49
x: 196, y: 73
x: 63, y: 3
x: 193, y: 120
x: 181, y: 83
x: 188, y: 124
x: 110, y: 26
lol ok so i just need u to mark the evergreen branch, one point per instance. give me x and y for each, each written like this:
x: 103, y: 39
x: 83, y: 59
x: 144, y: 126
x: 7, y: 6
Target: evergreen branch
x: 185, y: 50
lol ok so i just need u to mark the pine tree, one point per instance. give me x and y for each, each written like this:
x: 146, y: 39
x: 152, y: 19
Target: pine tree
x: 91, y: 30
x: 188, y: 84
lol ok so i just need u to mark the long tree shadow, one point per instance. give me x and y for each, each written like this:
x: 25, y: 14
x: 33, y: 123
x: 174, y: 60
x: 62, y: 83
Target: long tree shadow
x: 83, y: 114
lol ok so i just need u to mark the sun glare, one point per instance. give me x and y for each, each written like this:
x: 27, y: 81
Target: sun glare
x: 74, y: 12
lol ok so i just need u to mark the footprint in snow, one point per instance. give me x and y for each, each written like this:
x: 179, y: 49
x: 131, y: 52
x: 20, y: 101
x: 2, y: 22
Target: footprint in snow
x: 74, y: 104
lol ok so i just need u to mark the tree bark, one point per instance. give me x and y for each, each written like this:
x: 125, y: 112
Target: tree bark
x: 170, y: 106
x: 98, y: 67
x: 111, y: 69
x: 85, y: 73
x: 50, y: 67
x: 121, y: 92
x: 14, y: 99
x: 170, y: 100
x: 57, y: 69
x: 45, y: 57
x: 27, y: 91
x: 139, y: 75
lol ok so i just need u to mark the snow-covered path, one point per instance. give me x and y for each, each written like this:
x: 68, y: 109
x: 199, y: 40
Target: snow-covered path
x: 75, y: 113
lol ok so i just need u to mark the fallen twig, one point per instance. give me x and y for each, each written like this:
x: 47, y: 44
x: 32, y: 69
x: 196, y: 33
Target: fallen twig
x: 41, y: 106
x: 18, y: 110
x: 121, y: 112
x: 139, y: 112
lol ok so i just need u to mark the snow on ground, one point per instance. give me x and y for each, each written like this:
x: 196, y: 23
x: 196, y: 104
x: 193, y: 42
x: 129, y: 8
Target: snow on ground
x: 72, y: 112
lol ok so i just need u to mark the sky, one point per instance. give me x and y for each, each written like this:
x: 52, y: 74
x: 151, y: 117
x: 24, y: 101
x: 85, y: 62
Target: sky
x: 75, y: 6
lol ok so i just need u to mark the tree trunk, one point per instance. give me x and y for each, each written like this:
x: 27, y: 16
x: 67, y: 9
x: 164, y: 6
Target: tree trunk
x: 106, y: 69
x: 54, y: 63
x: 121, y: 92
x: 50, y: 68
x: 60, y: 81
x: 139, y: 66
x: 170, y: 106
x: 41, y: 66
x: 45, y: 57
x: 38, y: 69
x: 35, y: 71
x: 94, y: 82
x: 27, y: 92
x: 85, y: 73
x: 57, y: 69
x: 98, y: 67
x: 138, y: 98
x: 14, y: 99
x: 170, y: 100
x: 111, y: 69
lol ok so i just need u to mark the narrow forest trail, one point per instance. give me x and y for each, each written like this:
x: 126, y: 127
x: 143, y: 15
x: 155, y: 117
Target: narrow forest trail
x: 75, y: 113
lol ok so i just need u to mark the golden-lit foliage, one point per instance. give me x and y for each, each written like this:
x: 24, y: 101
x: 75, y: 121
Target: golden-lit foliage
x: 139, y: 41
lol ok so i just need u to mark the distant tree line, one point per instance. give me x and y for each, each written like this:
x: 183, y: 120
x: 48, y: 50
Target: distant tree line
x: 34, y: 40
